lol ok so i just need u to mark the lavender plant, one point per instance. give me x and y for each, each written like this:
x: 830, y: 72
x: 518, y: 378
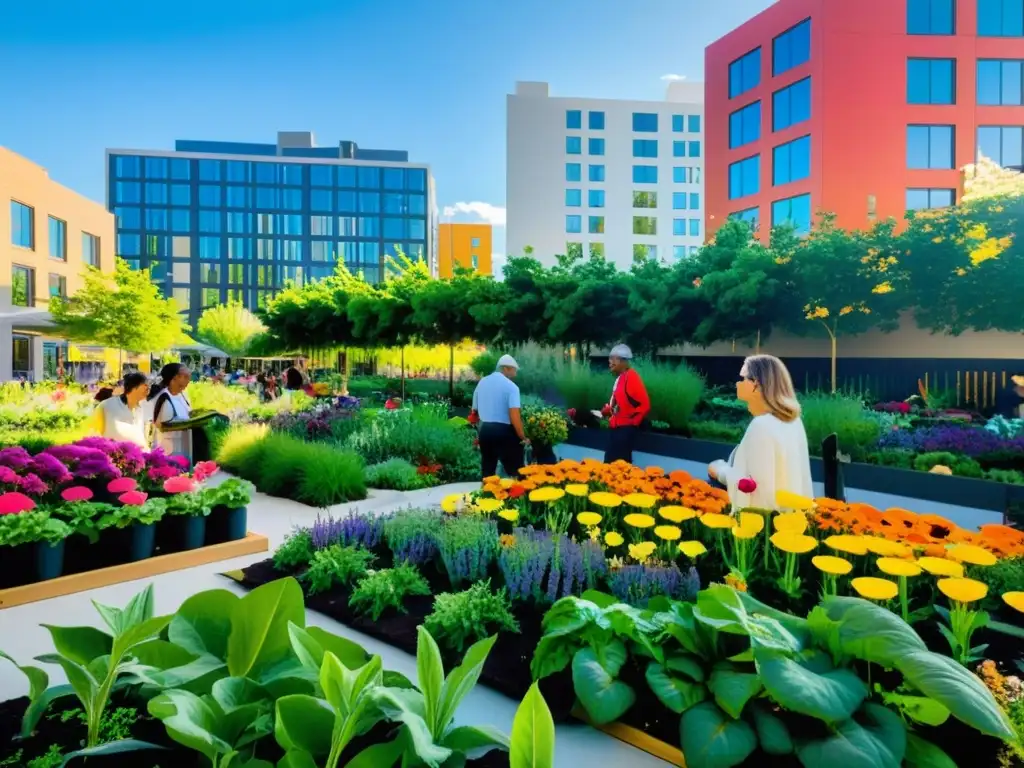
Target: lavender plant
x: 637, y: 584
x: 468, y: 547
x: 575, y: 567
x: 410, y: 535
x: 350, y: 531
x: 544, y: 568
x: 524, y: 564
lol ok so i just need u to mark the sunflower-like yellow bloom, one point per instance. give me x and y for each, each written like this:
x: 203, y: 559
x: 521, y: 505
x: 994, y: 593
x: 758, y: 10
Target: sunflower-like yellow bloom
x: 588, y: 518
x: 668, y: 532
x: 940, y: 567
x: 489, y: 505
x: 640, y: 500
x: 963, y: 590
x: 638, y: 520
x: 678, y: 514
x: 790, y: 522
x: 605, y: 499
x: 512, y: 515
x: 794, y: 543
x: 833, y: 565
x: 692, y: 549
x: 577, y: 489
x: 715, y: 520
x: 751, y: 521
x: 894, y: 566
x: 455, y: 501
x: 887, y: 548
x: 613, y: 539
x: 787, y: 500
x: 852, y: 545
x: 640, y: 552
x: 547, y: 494
x: 972, y: 554
x: 1015, y: 600
x: 875, y: 589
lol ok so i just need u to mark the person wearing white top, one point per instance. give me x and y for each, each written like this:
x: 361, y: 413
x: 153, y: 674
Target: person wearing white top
x: 123, y: 417
x: 168, y: 400
x: 773, y: 453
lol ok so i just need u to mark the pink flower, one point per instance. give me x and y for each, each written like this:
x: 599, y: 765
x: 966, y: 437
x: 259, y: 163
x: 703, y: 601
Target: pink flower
x: 746, y: 485
x: 76, y: 493
x: 181, y: 461
x: 162, y: 473
x: 133, y: 498
x: 204, y: 470
x: 15, y: 503
x: 180, y: 484
x: 122, y: 485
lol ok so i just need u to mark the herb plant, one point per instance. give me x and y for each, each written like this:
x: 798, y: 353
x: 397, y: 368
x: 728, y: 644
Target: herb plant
x: 388, y: 588
x: 468, y: 546
x: 295, y: 552
x: 150, y: 512
x: 231, y: 494
x: 541, y: 567
x: 36, y: 525
x: 637, y: 584
x: 462, y: 617
x: 336, y: 566
x: 410, y: 535
x: 395, y: 474
x: 354, y: 530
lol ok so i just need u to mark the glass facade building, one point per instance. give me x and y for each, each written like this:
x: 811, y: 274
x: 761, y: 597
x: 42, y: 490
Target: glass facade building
x: 222, y: 221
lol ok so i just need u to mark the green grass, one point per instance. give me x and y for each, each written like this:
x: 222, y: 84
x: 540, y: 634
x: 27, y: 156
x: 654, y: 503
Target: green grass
x: 675, y: 392
x: 844, y: 415
x: 583, y: 388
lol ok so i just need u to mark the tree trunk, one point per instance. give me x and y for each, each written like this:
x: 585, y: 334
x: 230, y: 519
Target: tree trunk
x: 451, y: 371
x: 832, y: 336
x: 757, y: 347
x: 344, y: 374
x: 120, y: 363
x: 403, y: 373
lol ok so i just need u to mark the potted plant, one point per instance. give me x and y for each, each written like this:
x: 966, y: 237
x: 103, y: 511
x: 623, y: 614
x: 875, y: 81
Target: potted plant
x: 129, y: 531
x: 81, y: 514
x: 546, y: 427
x: 183, y: 527
x: 31, y: 542
x: 229, y: 518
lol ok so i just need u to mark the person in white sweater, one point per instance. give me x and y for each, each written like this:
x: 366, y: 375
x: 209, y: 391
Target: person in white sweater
x: 773, y: 454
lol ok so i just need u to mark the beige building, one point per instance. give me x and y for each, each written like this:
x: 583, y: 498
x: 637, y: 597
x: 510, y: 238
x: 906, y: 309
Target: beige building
x: 48, y: 234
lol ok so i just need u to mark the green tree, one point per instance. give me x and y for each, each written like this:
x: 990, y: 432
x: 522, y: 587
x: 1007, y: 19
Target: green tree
x: 124, y: 311
x: 524, y: 308
x: 586, y: 301
x: 663, y: 306
x: 229, y: 327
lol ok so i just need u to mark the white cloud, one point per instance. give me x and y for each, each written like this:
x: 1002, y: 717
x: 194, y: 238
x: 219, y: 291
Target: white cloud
x: 498, y: 261
x: 492, y: 214
x: 671, y: 78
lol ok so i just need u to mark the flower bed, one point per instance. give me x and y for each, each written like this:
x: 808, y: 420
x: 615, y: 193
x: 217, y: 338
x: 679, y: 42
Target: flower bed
x: 824, y: 632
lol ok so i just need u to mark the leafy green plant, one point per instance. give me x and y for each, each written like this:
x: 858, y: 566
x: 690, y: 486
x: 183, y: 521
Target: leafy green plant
x: 1006, y: 575
x: 960, y: 465
x: 330, y: 476
x: 193, y: 504
x: 233, y: 493
x: 468, y: 546
x: 462, y: 617
x: 1008, y: 476
x: 151, y: 511
x: 717, y: 431
x: 823, y: 414
x: 394, y: 474
x: 900, y: 459
x: 296, y: 551
x: 675, y: 391
x: 336, y: 566
x: 115, y: 725
x: 582, y: 387
x: 241, y: 450
x: 36, y: 525
x: 428, y: 733
x: 532, y: 744
x: 387, y: 588
x: 52, y: 758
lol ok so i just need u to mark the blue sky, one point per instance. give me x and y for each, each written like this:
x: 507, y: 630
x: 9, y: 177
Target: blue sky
x: 79, y: 76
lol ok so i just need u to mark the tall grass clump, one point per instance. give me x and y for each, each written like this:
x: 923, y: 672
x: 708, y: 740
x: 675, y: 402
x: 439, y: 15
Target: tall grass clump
x: 584, y: 388
x: 330, y: 476
x: 823, y: 414
x: 539, y: 368
x: 233, y: 402
x: 240, y: 450
x: 675, y: 391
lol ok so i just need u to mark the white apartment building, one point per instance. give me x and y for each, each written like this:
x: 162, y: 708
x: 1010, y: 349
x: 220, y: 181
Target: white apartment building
x: 622, y: 179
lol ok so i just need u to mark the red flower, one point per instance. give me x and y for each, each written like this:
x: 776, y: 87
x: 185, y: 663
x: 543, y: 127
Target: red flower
x: 15, y: 503
x: 76, y: 493
x: 474, y: 417
x: 204, y: 470
x: 133, y: 498
x: 180, y: 484
x: 516, y: 491
x: 122, y: 485
x: 747, y: 485
x: 572, y: 413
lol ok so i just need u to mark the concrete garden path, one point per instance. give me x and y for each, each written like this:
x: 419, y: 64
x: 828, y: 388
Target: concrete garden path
x: 23, y: 638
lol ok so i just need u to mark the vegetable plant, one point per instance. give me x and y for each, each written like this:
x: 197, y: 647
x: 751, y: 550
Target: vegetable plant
x: 462, y: 617
x: 388, y: 588
x: 148, y: 513
x: 532, y: 744
x: 36, y: 525
x: 231, y: 494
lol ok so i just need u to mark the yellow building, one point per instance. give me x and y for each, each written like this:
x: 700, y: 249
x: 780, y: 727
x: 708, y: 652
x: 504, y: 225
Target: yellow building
x: 468, y: 245
x: 48, y: 233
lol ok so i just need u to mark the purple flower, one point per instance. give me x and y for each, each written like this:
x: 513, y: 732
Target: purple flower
x: 951, y: 438
x: 50, y: 469
x: 31, y: 485
x: 351, y: 531
x: 8, y: 476
x: 162, y: 473
x: 637, y: 584
x: 468, y: 547
x: 15, y: 457
x: 545, y: 567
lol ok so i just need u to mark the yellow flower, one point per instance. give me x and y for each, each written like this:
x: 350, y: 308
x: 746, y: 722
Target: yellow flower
x: 509, y: 514
x: 845, y: 310
x: 874, y: 588
x: 960, y: 271
x: 507, y: 482
x: 715, y: 520
x: 637, y: 520
x: 818, y: 313
x: 594, y: 533
x: 939, y: 567
x: 831, y: 564
x: 507, y: 540
x: 640, y: 500
x: 744, y: 534
x: 794, y: 543
x: 886, y: 548
x: 605, y: 499
x: 788, y: 500
x: 941, y: 469
x: 692, y: 549
x: 736, y: 581
x: 896, y: 567
x: 547, y: 494
x: 577, y: 489
x: 641, y: 551
x: 489, y: 505
x: 853, y: 545
x: 588, y: 518
x: 613, y: 539
x: 678, y: 514
x: 751, y: 521
x: 454, y: 502
x: 885, y: 287
x: 971, y: 554
x: 1015, y: 600
x: 963, y: 590
x: 667, y: 532
x: 791, y: 522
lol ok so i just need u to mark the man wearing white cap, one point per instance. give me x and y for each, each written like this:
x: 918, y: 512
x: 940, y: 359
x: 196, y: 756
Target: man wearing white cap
x: 497, y: 405
x: 628, y: 407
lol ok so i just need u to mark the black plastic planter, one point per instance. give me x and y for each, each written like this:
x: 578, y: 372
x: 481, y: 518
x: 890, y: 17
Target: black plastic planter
x: 180, y: 533
x: 48, y: 560
x: 16, y: 568
x: 225, y: 524
x: 130, y: 544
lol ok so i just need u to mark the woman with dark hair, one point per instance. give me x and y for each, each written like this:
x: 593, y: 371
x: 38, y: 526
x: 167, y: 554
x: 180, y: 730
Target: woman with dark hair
x: 123, y: 417
x: 167, y: 396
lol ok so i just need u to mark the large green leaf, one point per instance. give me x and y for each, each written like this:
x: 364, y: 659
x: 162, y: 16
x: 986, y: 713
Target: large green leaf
x: 231, y: 693
x: 921, y: 709
x: 310, y: 643
x: 880, y: 742
x: 406, y: 707
x: 552, y: 654
x: 688, y: 665
x: 870, y: 632
x: 190, y: 721
x: 676, y: 693
x: 430, y: 676
x: 732, y: 689
x: 79, y: 677
x: 304, y: 723
x: 296, y: 758
x: 138, y: 610
x: 110, y: 748
x: 375, y: 756
x: 38, y: 680
x: 571, y: 614
x: 202, y: 624
x: 474, y: 741
x: 711, y: 739
x: 944, y: 680
x: 145, y: 630
x: 259, y: 625
x: 533, y: 733
x: 461, y: 680
x: 720, y: 607
x: 80, y: 644
x: 924, y: 754
x: 828, y: 695
x: 772, y: 733
x: 603, y: 697
x: 37, y: 708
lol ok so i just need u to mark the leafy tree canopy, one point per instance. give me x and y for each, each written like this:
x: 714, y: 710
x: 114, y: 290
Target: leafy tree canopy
x: 230, y: 328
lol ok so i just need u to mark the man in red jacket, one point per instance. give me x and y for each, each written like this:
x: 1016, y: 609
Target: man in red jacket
x: 628, y: 407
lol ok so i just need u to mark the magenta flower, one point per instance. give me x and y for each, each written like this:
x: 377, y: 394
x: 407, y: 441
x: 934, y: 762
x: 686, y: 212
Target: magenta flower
x: 162, y: 473
x: 133, y: 498
x: 205, y: 470
x: 76, y: 493
x: 15, y: 503
x: 8, y: 476
x: 180, y: 484
x: 746, y: 485
x: 122, y: 485
x: 32, y: 485
x: 15, y: 457
x: 181, y: 461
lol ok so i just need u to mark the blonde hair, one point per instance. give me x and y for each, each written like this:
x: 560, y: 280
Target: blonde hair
x: 776, y: 385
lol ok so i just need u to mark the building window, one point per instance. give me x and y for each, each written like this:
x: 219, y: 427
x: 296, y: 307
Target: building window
x: 795, y: 211
x: 128, y: 218
x: 745, y: 177
x: 474, y: 242
x: 1001, y: 82
x: 573, y: 119
x: 209, y: 195
x: 127, y: 167
x: 929, y: 146
x: 919, y: 199
x: 645, y: 147
x: 90, y: 249
x: 22, y: 225
x: 750, y: 215
x: 574, y: 223
x: 678, y: 149
x: 597, y: 250
x: 573, y: 172
x: 1001, y: 18
x: 645, y: 174
x: 694, y: 148
x: 792, y: 161
x: 745, y: 125
x: 693, y: 123
x: 58, y: 239
x: 642, y: 252
x: 679, y: 201
x: 595, y: 172
x: 678, y: 252
x: 181, y: 194
x: 58, y: 285
x: 694, y: 201
x: 595, y: 146
x: 645, y: 225
x: 931, y: 17
x: 678, y: 123
x: 791, y: 105
x: 595, y: 225
x: 686, y: 174
x: 573, y: 198
x: 1002, y: 143
x: 128, y: 192
x: 595, y: 198
x: 645, y: 199
x: 573, y: 145
x: 679, y: 227
x: 931, y: 81
x: 645, y: 122
x: 574, y: 250
x: 22, y: 286
x: 792, y: 48
x: 595, y: 121
x: 694, y: 227
x: 745, y: 73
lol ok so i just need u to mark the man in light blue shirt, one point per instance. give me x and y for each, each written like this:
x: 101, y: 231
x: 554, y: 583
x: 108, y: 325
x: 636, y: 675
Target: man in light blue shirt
x: 496, y: 402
